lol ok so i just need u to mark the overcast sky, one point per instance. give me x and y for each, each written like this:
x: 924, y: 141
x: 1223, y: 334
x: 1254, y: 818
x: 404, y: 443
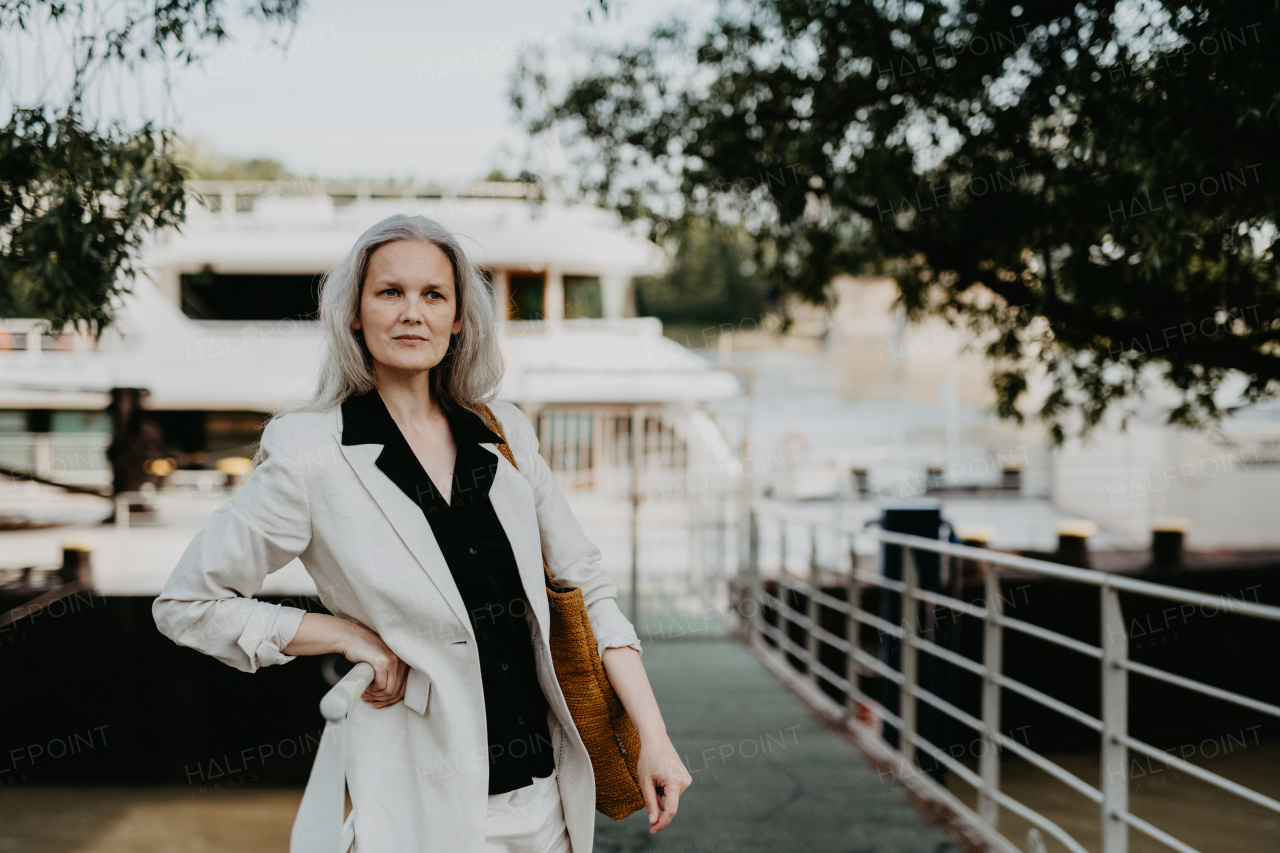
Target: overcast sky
x: 372, y: 89
x: 386, y: 89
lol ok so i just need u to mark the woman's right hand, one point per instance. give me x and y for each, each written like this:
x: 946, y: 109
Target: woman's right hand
x: 324, y: 633
x: 390, y: 674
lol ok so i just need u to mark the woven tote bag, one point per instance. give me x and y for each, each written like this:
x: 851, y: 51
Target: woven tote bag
x: 605, y: 727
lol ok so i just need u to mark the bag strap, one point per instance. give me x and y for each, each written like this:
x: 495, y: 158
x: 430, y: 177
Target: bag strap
x: 491, y: 421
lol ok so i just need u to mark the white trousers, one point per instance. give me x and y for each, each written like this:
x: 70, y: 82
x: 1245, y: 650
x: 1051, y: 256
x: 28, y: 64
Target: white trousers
x: 528, y: 819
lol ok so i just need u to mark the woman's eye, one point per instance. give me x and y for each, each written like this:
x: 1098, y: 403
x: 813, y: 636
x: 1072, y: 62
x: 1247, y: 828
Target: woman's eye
x: 390, y: 290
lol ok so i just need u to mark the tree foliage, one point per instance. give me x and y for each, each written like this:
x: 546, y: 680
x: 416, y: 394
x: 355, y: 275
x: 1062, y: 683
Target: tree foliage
x: 1090, y: 186
x: 712, y: 281
x: 78, y: 193
x: 77, y: 202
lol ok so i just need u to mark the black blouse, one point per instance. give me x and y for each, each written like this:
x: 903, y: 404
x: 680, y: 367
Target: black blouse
x: 483, y: 566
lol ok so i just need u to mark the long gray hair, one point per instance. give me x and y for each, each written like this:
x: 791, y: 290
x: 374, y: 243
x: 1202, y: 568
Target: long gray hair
x: 471, y: 369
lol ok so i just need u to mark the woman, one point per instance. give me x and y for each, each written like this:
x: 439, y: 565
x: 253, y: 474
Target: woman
x: 464, y: 741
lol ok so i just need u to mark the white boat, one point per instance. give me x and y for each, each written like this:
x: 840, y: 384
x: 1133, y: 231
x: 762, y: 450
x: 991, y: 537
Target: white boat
x: 218, y: 335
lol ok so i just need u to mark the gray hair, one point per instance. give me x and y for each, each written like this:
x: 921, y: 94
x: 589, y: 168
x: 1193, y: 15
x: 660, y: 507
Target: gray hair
x: 471, y: 369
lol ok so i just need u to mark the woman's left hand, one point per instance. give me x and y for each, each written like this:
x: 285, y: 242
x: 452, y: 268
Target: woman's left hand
x: 659, y: 766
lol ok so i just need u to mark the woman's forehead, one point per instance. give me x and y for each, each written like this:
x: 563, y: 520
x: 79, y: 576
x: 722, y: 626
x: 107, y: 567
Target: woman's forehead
x: 411, y: 262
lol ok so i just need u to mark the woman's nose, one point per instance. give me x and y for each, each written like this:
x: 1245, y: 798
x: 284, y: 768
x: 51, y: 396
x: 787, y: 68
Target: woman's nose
x: 412, y: 313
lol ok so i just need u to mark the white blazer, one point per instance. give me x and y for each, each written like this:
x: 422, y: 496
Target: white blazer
x: 418, y: 770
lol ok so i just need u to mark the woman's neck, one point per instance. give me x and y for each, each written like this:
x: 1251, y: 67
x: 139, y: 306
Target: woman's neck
x: 408, y: 398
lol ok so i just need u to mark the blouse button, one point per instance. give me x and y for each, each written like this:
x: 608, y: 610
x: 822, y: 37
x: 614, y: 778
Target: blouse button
x: 504, y: 666
x: 520, y: 720
x: 473, y: 550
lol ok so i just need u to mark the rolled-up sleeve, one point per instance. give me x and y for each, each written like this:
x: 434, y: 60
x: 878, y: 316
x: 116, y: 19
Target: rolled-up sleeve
x: 208, y: 602
x: 610, y: 627
x: 571, y: 557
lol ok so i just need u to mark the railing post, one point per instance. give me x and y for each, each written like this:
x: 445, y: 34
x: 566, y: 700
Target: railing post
x: 754, y: 593
x: 907, y: 702
x: 920, y: 518
x: 784, y: 591
x: 852, y: 631
x: 782, y: 548
x: 1115, y: 724
x: 639, y: 451
x: 811, y: 638
x: 992, y: 659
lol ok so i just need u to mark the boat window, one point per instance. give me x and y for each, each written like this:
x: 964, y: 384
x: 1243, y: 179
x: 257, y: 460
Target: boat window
x: 526, y: 296
x: 582, y: 296
x: 208, y: 295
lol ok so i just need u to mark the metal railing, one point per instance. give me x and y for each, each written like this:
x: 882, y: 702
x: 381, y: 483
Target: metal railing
x: 319, y: 827
x: 782, y: 652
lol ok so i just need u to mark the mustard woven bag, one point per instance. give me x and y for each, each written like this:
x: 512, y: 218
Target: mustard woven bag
x: 605, y: 727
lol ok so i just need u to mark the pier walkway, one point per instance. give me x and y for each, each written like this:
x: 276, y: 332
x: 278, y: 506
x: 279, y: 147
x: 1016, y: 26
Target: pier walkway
x: 768, y: 776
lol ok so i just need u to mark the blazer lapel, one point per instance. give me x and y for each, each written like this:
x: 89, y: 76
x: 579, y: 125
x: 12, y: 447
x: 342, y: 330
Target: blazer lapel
x: 512, y: 503
x: 408, y: 522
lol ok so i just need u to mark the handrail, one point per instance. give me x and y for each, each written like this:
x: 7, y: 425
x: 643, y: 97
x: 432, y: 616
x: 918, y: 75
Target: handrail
x: 1049, y: 636
x: 1092, y: 577
x: 1206, y: 689
x: 319, y: 827
x: 1116, y: 671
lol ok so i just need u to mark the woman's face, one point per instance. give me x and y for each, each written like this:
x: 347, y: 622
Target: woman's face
x: 408, y: 306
